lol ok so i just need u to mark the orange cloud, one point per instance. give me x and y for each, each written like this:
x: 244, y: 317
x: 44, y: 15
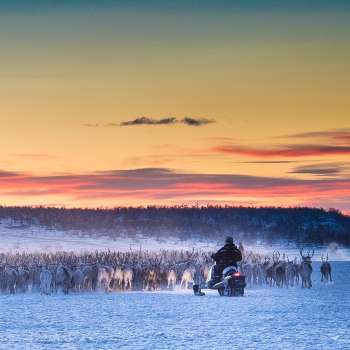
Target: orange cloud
x: 284, y: 151
x: 162, y: 186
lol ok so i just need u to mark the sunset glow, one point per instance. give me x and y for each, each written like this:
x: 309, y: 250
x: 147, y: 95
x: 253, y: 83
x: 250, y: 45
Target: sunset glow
x: 163, y: 104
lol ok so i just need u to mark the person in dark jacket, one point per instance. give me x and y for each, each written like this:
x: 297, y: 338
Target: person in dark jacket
x: 228, y: 255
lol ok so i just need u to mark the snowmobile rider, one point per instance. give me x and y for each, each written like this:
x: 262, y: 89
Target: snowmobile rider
x: 228, y: 255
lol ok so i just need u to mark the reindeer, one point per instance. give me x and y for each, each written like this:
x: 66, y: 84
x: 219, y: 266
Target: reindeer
x: 138, y: 276
x: 326, y: 270
x: 63, y: 278
x: 205, y: 271
x: 22, y: 279
x: 127, y: 278
x: 296, y: 270
x: 117, y: 279
x: 305, y: 268
x: 257, y: 269
x: 187, y: 277
x: 291, y: 273
x: 11, y: 276
x: 151, y: 280
x: 90, y: 277
x: 246, y: 269
x: 281, y: 272
x: 164, y: 271
x: 45, y: 281
x: 34, y: 278
x: 104, y: 277
x: 270, y: 268
x: 78, y: 279
x: 137, y: 270
x: 265, y: 267
x: 171, y: 279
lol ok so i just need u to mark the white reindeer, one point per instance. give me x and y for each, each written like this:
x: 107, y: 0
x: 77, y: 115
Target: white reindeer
x: 171, y: 279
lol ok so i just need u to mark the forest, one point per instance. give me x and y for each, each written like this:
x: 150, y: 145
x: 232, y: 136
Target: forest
x: 249, y: 224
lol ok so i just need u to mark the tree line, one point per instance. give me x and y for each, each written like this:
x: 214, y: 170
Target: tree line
x: 267, y: 224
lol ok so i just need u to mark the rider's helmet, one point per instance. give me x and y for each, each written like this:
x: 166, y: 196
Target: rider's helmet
x: 229, y: 240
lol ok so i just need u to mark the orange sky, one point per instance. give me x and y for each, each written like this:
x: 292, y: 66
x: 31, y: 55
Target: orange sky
x: 268, y: 90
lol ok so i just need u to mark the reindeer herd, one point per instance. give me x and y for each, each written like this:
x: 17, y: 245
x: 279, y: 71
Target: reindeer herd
x: 109, y: 271
x: 277, y: 271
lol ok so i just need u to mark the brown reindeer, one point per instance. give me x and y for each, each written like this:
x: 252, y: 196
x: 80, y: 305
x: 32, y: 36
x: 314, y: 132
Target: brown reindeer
x: 326, y: 270
x: 280, y: 272
x: 305, y: 268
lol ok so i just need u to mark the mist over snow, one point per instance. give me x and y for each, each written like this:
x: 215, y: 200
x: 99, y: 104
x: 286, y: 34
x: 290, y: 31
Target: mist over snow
x: 35, y: 238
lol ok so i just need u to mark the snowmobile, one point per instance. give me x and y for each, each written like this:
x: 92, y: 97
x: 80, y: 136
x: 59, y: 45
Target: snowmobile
x: 229, y: 283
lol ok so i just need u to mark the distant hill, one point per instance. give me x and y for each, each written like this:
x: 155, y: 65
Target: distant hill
x: 266, y: 224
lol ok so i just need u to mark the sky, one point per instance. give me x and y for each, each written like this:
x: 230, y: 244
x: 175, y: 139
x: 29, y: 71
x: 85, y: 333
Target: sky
x: 107, y: 103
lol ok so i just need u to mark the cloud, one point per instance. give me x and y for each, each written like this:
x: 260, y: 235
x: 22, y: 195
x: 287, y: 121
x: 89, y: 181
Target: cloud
x: 196, y: 121
x: 149, y: 121
x: 269, y: 162
x: 163, y: 185
x: 7, y: 174
x: 90, y: 125
x: 111, y: 125
x: 34, y: 156
x: 322, y: 133
x: 305, y: 150
x: 329, y: 169
x: 152, y: 121
x: 337, y: 135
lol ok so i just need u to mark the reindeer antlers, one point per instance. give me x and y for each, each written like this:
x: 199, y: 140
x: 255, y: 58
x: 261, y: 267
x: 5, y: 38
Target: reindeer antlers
x: 276, y: 255
x: 308, y: 255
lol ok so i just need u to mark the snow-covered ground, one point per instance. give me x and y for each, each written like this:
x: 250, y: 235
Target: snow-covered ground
x: 15, y: 238
x: 264, y: 319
